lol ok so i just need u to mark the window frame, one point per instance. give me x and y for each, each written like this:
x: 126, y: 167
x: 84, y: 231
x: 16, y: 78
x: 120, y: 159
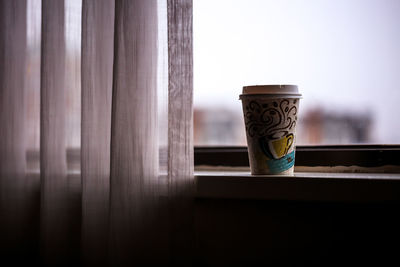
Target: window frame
x: 368, y: 156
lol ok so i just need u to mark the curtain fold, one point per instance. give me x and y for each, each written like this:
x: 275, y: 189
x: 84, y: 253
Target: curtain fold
x: 53, y: 162
x: 12, y: 70
x: 180, y: 130
x: 134, y: 136
x: 12, y: 120
x: 97, y: 73
x: 122, y: 212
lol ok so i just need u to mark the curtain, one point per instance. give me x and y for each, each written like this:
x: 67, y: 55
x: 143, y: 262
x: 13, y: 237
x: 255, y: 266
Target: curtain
x: 96, y: 163
x: 180, y: 134
x: 97, y: 76
x: 12, y: 114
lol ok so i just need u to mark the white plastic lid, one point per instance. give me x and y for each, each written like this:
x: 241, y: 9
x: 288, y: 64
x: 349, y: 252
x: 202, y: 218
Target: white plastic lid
x: 277, y: 89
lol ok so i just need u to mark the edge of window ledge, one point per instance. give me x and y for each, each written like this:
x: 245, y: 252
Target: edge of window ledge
x: 303, y: 186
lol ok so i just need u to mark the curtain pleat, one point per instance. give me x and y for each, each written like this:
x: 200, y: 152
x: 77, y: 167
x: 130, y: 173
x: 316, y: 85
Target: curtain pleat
x: 53, y: 165
x: 13, y: 184
x: 97, y: 73
x: 12, y: 70
x: 180, y: 130
x: 180, y: 97
x: 134, y: 139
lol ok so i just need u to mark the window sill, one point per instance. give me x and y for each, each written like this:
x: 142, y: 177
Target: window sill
x: 303, y: 186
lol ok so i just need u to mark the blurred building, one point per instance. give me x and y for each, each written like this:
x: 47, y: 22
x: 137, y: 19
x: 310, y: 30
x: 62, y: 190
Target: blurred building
x: 318, y: 126
x: 220, y: 126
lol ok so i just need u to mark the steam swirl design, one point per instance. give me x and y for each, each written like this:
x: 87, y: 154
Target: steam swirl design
x: 272, y: 119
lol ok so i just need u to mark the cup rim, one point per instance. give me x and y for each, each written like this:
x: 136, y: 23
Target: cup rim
x: 271, y: 89
x: 270, y: 96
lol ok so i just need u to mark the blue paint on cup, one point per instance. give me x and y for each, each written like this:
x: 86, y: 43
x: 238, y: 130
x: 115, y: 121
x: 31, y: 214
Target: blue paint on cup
x: 282, y: 164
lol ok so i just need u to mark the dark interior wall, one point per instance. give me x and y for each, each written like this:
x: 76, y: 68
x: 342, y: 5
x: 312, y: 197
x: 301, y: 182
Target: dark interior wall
x: 232, y: 232
x: 20, y: 226
x: 270, y: 233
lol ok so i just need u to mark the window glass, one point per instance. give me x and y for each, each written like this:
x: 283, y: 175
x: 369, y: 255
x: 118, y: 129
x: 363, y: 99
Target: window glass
x: 344, y: 56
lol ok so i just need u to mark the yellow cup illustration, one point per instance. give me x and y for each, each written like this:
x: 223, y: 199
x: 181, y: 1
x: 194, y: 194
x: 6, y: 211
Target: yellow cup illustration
x: 280, y: 147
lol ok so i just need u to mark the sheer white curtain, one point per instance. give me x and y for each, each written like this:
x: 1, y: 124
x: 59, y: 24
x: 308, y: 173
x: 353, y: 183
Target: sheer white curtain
x: 13, y: 209
x: 116, y: 75
x: 97, y: 75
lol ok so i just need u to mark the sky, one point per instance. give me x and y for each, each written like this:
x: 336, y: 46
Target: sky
x: 344, y: 55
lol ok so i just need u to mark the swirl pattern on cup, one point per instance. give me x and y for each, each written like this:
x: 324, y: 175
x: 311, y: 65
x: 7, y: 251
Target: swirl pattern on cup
x: 272, y: 119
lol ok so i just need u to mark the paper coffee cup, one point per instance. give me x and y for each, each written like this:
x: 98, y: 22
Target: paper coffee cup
x: 270, y: 115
